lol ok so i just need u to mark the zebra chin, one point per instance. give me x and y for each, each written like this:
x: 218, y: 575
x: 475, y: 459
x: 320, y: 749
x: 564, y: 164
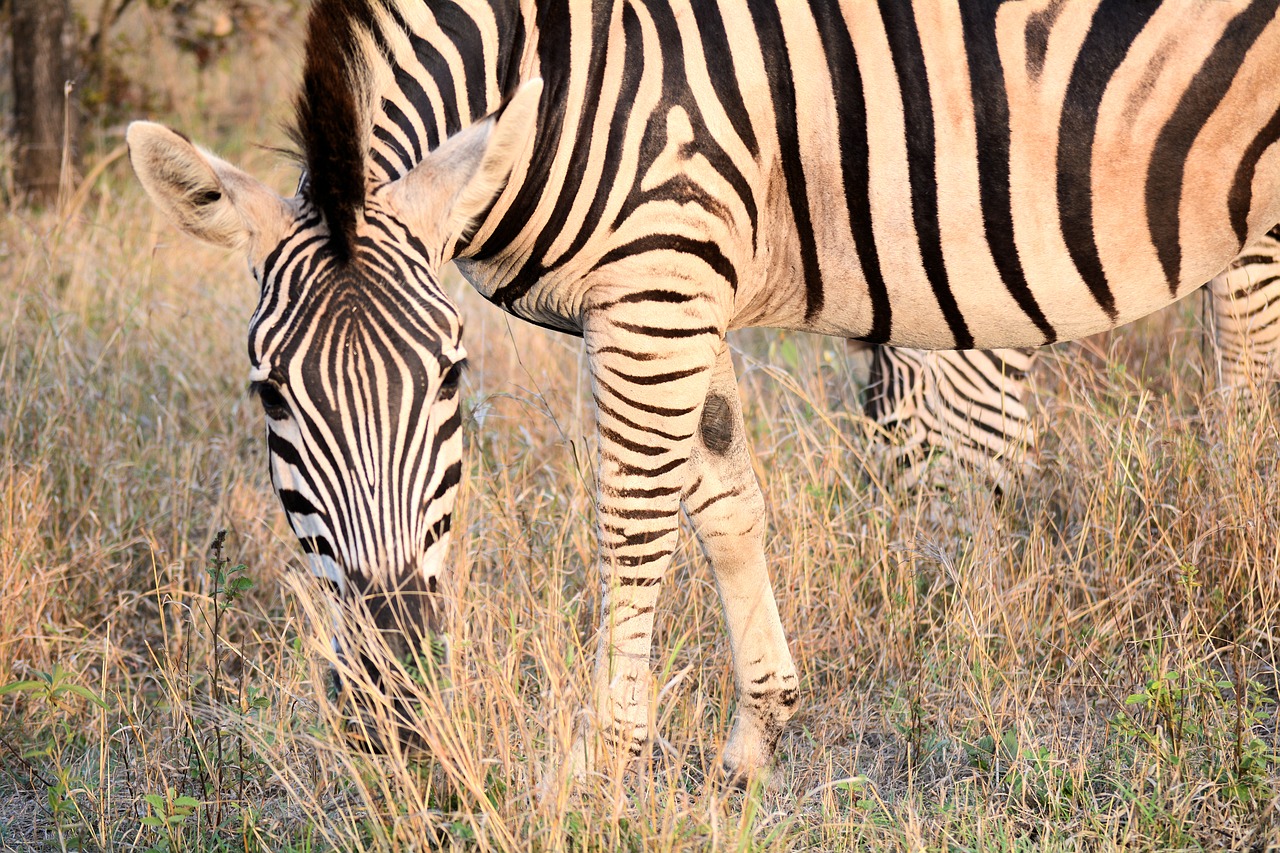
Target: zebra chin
x: 391, y: 674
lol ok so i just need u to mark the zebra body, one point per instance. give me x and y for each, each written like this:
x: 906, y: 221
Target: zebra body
x: 942, y: 175
x: 971, y: 405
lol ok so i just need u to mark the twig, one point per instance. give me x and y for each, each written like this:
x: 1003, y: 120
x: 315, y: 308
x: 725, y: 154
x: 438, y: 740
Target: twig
x: 31, y: 768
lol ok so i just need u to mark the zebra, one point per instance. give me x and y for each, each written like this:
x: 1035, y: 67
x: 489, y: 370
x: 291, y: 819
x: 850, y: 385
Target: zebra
x: 971, y: 405
x: 650, y: 175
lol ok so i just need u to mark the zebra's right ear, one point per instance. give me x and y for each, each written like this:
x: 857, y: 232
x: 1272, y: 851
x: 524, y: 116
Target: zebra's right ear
x: 201, y: 194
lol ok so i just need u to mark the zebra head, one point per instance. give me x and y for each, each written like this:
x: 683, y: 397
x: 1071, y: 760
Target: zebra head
x: 355, y: 349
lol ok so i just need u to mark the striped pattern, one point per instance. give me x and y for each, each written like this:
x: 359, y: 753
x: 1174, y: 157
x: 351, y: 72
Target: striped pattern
x: 1246, y: 313
x: 936, y: 175
x: 963, y: 405
x: 971, y: 405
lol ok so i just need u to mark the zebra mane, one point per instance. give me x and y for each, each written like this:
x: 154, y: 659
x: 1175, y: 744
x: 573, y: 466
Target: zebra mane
x: 333, y: 112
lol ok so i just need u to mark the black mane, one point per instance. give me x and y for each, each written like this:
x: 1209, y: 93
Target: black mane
x: 331, y: 116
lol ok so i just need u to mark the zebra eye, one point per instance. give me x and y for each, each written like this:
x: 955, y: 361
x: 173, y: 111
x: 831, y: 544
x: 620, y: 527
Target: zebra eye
x: 273, y: 402
x: 449, y: 385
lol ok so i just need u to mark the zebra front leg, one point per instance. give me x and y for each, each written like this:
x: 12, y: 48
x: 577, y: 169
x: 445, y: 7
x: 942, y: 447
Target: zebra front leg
x: 727, y: 510
x: 649, y: 382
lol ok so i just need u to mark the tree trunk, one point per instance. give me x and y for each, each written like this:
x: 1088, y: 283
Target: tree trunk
x: 42, y: 65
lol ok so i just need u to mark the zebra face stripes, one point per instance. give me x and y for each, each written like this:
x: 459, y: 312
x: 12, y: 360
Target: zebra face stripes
x: 356, y: 354
x: 357, y: 366
x: 933, y: 174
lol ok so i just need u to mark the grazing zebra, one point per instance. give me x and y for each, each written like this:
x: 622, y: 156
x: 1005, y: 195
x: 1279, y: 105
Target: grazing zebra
x: 971, y: 404
x: 650, y: 174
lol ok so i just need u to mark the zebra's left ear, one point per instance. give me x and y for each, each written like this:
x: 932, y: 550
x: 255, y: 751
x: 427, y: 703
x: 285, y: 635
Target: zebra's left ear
x: 203, y: 195
x: 441, y: 196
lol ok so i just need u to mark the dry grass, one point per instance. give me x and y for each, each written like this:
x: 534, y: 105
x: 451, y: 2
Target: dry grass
x: 977, y: 674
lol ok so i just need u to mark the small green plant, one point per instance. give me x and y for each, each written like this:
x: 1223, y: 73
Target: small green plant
x: 55, y: 693
x: 1031, y: 774
x: 53, y: 688
x: 1195, y: 721
x: 168, y: 812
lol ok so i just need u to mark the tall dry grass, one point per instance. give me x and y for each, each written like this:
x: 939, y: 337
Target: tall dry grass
x: 1088, y: 662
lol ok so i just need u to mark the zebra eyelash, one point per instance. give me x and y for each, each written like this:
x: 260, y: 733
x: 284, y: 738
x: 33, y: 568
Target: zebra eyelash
x: 452, y: 378
x: 273, y: 402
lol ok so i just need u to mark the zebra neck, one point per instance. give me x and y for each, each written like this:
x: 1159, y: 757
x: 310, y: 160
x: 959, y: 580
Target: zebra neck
x: 439, y: 70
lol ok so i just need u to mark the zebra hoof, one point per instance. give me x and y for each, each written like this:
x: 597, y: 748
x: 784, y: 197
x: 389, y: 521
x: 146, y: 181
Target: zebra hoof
x: 731, y: 779
x: 747, y: 756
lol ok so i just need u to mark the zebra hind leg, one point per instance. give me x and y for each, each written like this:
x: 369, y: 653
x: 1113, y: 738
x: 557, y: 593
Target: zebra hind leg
x: 968, y: 406
x: 1246, y: 313
x: 727, y: 510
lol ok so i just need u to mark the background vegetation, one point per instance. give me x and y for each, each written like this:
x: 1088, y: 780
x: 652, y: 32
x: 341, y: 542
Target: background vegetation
x: 1089, y: 662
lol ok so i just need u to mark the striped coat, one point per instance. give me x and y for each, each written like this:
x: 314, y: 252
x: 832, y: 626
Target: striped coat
x: 651, y: 174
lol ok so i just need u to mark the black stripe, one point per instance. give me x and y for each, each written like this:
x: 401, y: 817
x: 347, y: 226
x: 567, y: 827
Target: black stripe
x: 437, y: 68
x: 384, y: 165
x: 627, y: 422
x: 1252, y: 260
x: 635, y: 514
x: 452, y: 476
x: 657, y: 378
x: 624, y: 580
x: 634, y: 446
x: 654, y: 295
x: 634, y: 355
x: 421, y: 103
x: 682, y: 190
x: 283, y: 450
x: 662, y: 492
x: 1169, y: 157
x: 437, y: 531
x: 462, y: 30
x: 730, y: 493
x: 633, y: 65
x: 724, y: 77
x: 639, y: 537
x: 991, y: 118
x: 908, y: 61
x: 1241, y: 197
x: 316, y: 545
x: 295, y: 503
x: 1038, y: 26
x: 510, y: 45
x: 1115, y: 24
x: 555, y: 223
x: 768, y: 24
x: 855, y: 160
x: 627, y: 469
x: 634, y: 560
x: 397, y: 116
x: 1254, y: 287
x: 664, y: 331
x: 406, y: 162
x: 704, y: 250
x: 675, y: 91
x: 662, y: 411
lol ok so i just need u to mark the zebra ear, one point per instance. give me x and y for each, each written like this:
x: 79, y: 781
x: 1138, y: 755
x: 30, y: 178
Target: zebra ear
x: 456, y: 183
x: 202, y: 195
